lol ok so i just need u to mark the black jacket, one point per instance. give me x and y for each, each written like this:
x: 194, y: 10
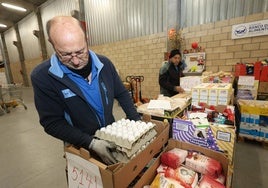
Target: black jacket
x: 169, y: 77
x: 72, y: 119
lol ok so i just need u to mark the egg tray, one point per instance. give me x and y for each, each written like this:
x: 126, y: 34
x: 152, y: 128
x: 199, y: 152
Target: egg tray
x: 139, y: 145
x: 125, y: 142
x: 126, y: 156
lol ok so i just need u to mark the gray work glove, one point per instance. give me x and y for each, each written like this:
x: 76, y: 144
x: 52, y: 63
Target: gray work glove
x: 104, y: 150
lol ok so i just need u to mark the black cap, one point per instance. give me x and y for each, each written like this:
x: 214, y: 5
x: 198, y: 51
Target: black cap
x: 174, y: 52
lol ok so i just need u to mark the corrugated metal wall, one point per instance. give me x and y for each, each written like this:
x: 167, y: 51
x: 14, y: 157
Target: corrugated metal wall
x: 30, y: 43
x: 13, y: 54
x: 195, y: 12
x: 114, y: 20
x: 54, y: 8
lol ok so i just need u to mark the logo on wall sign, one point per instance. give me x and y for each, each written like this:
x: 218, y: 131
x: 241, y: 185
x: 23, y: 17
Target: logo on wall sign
x: 240, y: 30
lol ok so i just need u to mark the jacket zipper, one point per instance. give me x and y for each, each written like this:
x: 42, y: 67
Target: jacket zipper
x: 105, y: 92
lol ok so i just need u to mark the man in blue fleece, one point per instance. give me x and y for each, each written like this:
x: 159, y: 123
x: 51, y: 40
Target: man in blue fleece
x: 74, y: 90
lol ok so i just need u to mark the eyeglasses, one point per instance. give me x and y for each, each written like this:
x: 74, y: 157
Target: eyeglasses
x: 67, y: 56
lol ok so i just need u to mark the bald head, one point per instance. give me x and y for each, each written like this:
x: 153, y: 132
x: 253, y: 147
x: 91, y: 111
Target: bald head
x: 68, y: 40
x: 64, y: 28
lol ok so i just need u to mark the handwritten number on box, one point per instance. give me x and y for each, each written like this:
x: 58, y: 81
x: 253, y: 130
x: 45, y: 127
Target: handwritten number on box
x: 82, y: 177
x: 82, y: 173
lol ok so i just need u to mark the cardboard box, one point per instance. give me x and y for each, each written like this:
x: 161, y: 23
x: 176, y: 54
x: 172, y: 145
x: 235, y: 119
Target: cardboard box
x: 263, y: 97
x: 264, y: 74
x: 257, y: 107
x: 213, y: 93
x: 121, y: 175
x: 263, y: 87
x: 248, y: 88
x: 216, y: 137
x: 150, y: 174
x: 187, y: 82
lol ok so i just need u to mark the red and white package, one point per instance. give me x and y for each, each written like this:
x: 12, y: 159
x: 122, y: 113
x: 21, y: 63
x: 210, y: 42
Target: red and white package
x: 203, y: 164
x: 187, y: 177
x: 208, y: 182
x: 161, y: 168
x: 174, y: 158
x: 221, y: 179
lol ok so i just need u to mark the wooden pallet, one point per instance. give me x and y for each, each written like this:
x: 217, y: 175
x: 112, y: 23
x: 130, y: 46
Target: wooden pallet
x: 243, y: 138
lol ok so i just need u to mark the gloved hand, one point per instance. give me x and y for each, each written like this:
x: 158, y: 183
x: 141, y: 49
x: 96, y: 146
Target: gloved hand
x: 104, y: 150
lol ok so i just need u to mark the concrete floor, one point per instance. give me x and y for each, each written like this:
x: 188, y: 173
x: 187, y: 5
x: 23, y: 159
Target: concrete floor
x: 30, y: 158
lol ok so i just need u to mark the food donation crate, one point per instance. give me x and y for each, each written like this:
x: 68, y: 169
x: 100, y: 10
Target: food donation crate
x: 84, y: 170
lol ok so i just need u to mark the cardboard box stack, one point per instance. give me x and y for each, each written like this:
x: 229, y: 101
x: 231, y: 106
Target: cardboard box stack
x: 254, y: 119
x: 212, y: 94
x: 253, y: 80
x: 263, y: 85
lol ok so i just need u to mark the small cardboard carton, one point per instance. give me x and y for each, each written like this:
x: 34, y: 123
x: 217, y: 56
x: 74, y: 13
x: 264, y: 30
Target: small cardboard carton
x: 263, y: 87
x: 150, y: 174
x: 120, y: 174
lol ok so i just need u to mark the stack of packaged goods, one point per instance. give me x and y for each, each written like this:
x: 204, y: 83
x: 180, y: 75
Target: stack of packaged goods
x: 219, y: 77
x: 212, y: 94
x: 188, y: 169
x: 247, y: 88
x: 257, y: 72
x: 212, y: 127
x: 254, y: 119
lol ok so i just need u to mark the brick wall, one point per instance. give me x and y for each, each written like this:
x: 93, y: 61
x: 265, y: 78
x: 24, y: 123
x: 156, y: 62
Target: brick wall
x: 30, y: 65
x: 222, y: 53
x: 144, y: 55
x: 140, y: 57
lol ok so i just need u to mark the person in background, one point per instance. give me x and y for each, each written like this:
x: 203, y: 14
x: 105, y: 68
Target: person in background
x: 74, y: 90
x: 170, y: 73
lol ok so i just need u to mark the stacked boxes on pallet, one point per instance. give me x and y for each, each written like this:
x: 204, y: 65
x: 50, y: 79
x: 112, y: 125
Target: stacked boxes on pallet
x: 212, y: 94
x: 254, y: 119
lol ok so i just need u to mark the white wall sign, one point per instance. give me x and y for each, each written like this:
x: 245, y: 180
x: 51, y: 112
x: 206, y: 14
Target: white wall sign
x: 195, y: 62
x: 250, y: 29
x: 82, y: 173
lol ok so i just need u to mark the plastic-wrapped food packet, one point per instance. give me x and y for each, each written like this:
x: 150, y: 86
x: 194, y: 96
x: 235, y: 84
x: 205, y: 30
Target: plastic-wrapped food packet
x: 203, y: 164
x: 174, y: 158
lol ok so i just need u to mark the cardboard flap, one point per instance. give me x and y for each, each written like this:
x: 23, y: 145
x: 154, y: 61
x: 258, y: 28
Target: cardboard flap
x: 115, y: 167
x: 84, y: 153
x: 146, y: 117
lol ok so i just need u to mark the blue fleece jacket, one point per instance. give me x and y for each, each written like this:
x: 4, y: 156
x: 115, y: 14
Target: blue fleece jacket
x: 64, y: 110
